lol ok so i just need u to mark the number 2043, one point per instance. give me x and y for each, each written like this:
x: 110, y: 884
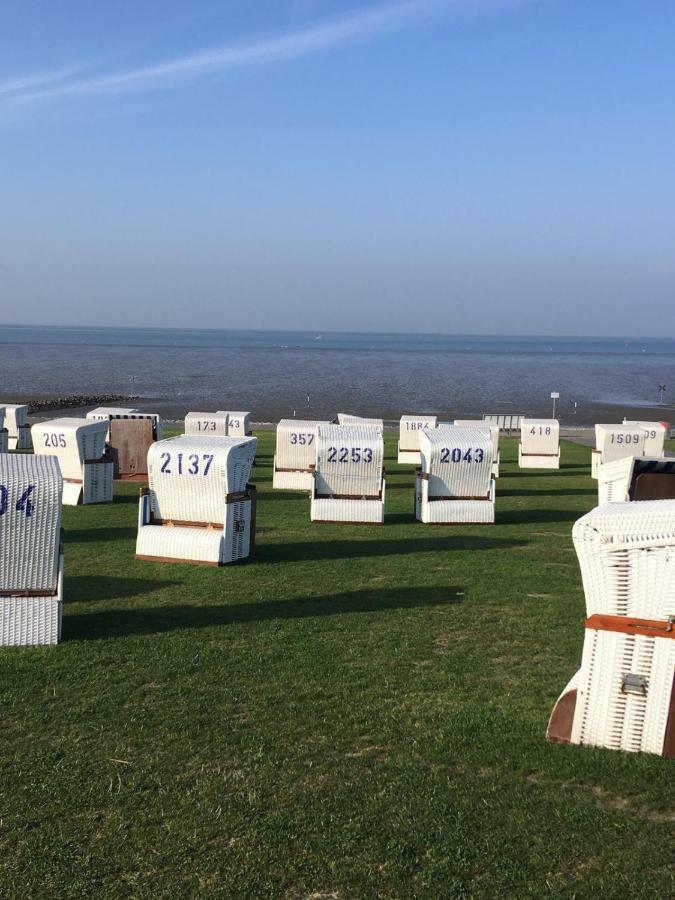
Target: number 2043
x: 457, y: 455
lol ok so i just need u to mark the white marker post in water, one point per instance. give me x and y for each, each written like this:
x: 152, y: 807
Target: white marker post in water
x: 554, y: 396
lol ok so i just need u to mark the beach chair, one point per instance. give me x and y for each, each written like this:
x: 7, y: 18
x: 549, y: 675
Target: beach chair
x: 105, y: 413
x: 539, y: 446
x: 636, y: 478
x: 408, y: 437
x: 655, y: 435
x: 622, y: 696
x: 490, y: 428
x: 238, y: 423
x: 31, y: 562
x: 348, y: 484
x: 4, y: 434
x: 295, y: 457
x: 348, y: 419
x: 199, y: 506
x: 130, y: 436
x: 209, y: 423
x: 455, y: 483
x: 86, y: 464
x: 614, y: 442
x: 18, y: 429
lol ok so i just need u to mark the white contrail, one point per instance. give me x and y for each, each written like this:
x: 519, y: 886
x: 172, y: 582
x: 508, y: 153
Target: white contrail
x: 353, y: 29
x: 30, y: 83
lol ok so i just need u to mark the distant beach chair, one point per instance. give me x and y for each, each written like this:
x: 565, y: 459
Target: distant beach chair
x: 208, y: 423
x: 655, y: 436
x: 4, y: 434
x: 504, y: 422
x: 105, y: 413
x: 31, y: 562
x: 131, y: 433
x: 349, y: 484
x: 614, y: 442
x: 408, y: 437
x: 295, y: 457
x: 238, y: 423
x: 80, y: 447
x: 18, y: 429
x: 490, y: 428
x: 636, y: 478
x: 199, y: 506
x: 539, y: 446
x: 348, y: 419
x: 622, y: 696
x: 455, y: 483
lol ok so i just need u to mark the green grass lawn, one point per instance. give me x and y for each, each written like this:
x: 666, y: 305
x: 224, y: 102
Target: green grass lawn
x: 357, y: 712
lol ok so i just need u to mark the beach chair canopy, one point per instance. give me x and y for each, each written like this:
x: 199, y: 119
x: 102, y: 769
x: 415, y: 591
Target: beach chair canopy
x: 73, y: 441
x: 238, y: 423
x: 409, y: 429
x: 490, y: 428
x: 617, y: 441
x: 16, y: 416
x: 348, y: 419
x: 30, y: 524
x: 191, y: 476
x: 458, y: 462
x: 209, y: 423
x: 540, y: 436
x: 655, y: 435
x: 296, y: 444
x: 349, y: 460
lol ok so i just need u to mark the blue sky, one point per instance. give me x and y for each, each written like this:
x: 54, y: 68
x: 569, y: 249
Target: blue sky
x: 477, y: 166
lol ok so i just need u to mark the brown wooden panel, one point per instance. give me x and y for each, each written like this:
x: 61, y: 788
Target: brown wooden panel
x: 654, y: 486
x: 130, y: 440
x: 560, y: 725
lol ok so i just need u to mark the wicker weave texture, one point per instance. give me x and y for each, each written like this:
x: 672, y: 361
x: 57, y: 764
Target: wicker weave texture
x: 446, y: 512
x: 367, y: 512
x: 296, y: 444
x: 209, y: 545
x: 207, y: 423
x: 292, y: 481
x: 458, y: 462
x: 30, y: 491
x: 537, y: 461
x: 190, y: 476
x: 409, y: 431
x: 30, y: 621
x: 349, y: 419
x: 349, y: 460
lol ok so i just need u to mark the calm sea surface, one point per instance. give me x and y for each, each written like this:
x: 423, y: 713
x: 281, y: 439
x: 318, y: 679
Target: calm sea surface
x: 276, y: 373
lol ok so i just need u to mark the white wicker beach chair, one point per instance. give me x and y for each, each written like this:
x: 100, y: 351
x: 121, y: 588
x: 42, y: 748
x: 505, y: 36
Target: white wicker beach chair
x: 4, y: 434
x: 348, y: 419
x: 349, y: 484
x: 18, y: 429
x: 238, y: 423
x: 486, y: 427
x: 636, y: 478
x: 616, y: 442
x: 209, y: 423
x: 31, y: 563
x: 295, y: 457
x: 408, y: 437
x: 455, y: 483
x: 199, y: 506
x: 622, y: 697
x: 655, y: 436
x: 80, y: 447
x: 539, y: 446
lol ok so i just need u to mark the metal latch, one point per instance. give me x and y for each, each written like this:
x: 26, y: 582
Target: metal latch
x: 670, y: 622
x: 634, y: 684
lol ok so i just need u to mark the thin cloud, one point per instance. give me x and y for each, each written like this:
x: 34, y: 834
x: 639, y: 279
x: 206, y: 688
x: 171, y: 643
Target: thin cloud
x: 40, y: 80
x: 355, y: 29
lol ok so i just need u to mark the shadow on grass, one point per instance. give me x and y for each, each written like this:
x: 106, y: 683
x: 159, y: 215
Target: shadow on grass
x: 356, y: 549
x: 92, y: 588
x: 132, y: 621
x: 97, y: 535
x: 565, y: 492
x: 532, y: 516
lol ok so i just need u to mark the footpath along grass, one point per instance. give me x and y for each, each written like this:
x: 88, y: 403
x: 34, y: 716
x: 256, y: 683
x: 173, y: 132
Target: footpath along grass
x: 357, y: 712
